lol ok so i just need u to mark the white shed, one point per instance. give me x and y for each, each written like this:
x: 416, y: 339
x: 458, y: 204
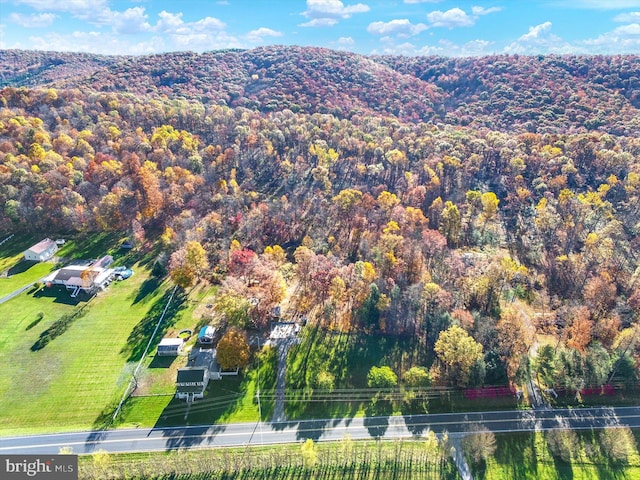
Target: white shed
x: 170, y: 346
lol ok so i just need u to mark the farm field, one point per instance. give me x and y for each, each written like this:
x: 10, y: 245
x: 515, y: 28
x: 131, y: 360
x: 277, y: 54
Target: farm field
x: 345, y: 459
x: 66, y: 383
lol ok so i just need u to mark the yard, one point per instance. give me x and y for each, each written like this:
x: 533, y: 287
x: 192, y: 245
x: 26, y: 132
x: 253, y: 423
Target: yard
x: 66, y: 384
x: 232, y: 399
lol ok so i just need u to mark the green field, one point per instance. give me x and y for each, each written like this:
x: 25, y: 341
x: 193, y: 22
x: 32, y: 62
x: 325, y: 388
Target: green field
x: 348, y: 357
x: 68, y: 383
x: 529, y: 456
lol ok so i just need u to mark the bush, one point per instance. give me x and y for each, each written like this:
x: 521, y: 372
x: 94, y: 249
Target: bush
x: 381, y: 377
x: 324, y: 381
x: 417, y: 377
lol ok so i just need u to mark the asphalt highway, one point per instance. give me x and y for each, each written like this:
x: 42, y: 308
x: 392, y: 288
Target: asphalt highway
x: 240, y: 434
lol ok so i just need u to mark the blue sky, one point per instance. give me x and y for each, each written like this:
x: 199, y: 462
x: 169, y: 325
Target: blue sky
x: 407, y: 27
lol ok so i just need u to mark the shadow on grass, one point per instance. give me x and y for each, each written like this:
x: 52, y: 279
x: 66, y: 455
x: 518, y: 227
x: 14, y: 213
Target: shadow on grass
x: 348, y: 356
x: 517, y: 454
x: 37, y: 320
x: 141, y: 333
x: 149, y: 286
x: 162, y: 361
x: 62, y: 295
x: 563, y: 469
x: 21, y: 267
x: 57, y: 328
x: 18, y: 244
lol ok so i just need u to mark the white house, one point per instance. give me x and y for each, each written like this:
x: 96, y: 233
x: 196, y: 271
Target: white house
x: 191, y: 383
x: 89, y: 278
x: 41, y: 251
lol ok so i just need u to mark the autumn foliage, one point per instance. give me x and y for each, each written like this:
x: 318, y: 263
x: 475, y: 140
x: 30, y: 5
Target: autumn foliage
x: 411, y: 197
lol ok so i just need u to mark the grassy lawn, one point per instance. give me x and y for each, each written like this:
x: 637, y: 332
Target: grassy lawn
x: 529, y: 456
x: 232, y: 399
x: 28, y: 272
x: 12, y: 251
x: 18, y: 271
x: 68, y: 383
x: 349, y: 357
x: 345, y: 459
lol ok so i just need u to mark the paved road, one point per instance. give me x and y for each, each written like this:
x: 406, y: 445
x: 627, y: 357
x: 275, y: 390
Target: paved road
x: 132, y: 440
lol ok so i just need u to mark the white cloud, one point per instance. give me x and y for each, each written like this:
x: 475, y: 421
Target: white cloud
x: 343, y: 43
x: 95, y: 42
x: 132, y: 20
x: 2, y: 43
x: 169, y: 22
x: 540, y: 39
x: 478, y: 11
x: 92, y: 10
x: 536, y: 32
x: 325, y: 13
x: 598, y: 4
x: 258, y: 35
x: 172, y: 23
x: 443, y: 47
x: 37, y: 20
x: 319, y: 22
x: 631, y: 17
x: 422, y: 1
x: 401, y: 27
x: 455, y: 17
x: 623, y: 39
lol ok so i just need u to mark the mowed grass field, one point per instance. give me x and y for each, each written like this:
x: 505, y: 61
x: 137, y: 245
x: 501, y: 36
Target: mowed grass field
x: 528, y: 456
x: 68, y: 383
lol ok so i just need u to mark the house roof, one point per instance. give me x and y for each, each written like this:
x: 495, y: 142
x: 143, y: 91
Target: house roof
x: 191, y: 374
x: 191, y: 380
x: 66, y: 273
x: 170, y: 342
x: 42, y: 246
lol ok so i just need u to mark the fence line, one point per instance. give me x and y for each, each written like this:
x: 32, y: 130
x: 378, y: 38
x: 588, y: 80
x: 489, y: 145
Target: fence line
x: 133, y: 382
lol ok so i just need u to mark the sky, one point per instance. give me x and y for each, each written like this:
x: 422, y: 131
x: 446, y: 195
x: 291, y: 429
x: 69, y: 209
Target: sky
x: 402, y: 27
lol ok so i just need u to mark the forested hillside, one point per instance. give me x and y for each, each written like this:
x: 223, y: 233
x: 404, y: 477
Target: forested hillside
x: 400, y: 196
x: 507, y: 93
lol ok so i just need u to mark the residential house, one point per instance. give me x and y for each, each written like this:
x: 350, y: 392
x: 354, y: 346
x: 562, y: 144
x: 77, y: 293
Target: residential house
x: 88, y: 278
x: 191, y: 383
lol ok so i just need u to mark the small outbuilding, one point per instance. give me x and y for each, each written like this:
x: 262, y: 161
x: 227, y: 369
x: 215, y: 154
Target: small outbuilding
x: 41, y: 251
x: 170, y: 347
